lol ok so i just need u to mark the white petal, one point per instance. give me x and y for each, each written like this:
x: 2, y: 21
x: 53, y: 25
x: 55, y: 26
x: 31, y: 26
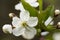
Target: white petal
x: 29, y: 33
x: 18, y: 31
x: 35, y: 4
x: 30, y: 1
x: 33, y: 21
x: 56, y: 36
x: 19, y: 6
x: 48, y: 21
x: 24, y: 15
x: 52, y: 23
x: 7, y: 28
x: 44, y: 33
x: 15, y: 21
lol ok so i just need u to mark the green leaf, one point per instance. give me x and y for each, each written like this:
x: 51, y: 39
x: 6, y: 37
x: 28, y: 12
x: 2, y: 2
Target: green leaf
x: 40, y: 5
x: 50, y: 27
x: 56, y: 30
x: 49, y: 36
x: 33, y: 11
x: 44, y: 16
x: 48, y: 12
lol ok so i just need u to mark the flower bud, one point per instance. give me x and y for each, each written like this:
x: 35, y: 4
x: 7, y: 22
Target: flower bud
x: 11, y: 14
x: 57, y: 12
x: 7, y: 28
x: 58, y: 24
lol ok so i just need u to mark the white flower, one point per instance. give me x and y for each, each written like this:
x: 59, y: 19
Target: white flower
x: 20, y: 7
x: 7, y: 28
x: 25, y: 25
x: 56, y: 36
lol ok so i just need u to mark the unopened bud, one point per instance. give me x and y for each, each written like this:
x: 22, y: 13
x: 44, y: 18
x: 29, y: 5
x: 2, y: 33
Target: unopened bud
x: 57, y: 12
x: 11, y: 14
x: 58, y: 24
x: 7, y: 28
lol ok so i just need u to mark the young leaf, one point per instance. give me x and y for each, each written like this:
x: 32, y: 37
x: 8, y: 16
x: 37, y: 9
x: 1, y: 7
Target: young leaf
x: 48, y: 12
x: 50, y: 27
x: 33, y: 11
x: 44, y: 16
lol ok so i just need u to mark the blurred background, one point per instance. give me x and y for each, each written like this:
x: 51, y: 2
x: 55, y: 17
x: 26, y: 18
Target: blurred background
x: 7, y: 6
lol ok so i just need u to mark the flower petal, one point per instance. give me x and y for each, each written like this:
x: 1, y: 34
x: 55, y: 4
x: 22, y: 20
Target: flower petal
x: 24, y: 15
x: 7, y: 28
x: 35, y: 4
x: 56, y: 36
x: 18, y: 31
x: 29, y: 33
x: 19, y: 6
x: 33, y: 21
x: 52, y: 23
x: 48, y: 21
x: 15, y: 21
x: 30, y: 1
x: 44, y: 33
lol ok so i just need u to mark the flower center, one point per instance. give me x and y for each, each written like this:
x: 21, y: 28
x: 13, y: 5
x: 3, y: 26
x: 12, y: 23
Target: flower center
x: 24, y: 24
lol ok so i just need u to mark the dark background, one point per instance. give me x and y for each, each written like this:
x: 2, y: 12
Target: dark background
x: 6, y: 7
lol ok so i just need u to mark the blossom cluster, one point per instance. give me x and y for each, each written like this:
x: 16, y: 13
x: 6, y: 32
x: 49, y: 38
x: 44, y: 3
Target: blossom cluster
x: 29, y: 26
